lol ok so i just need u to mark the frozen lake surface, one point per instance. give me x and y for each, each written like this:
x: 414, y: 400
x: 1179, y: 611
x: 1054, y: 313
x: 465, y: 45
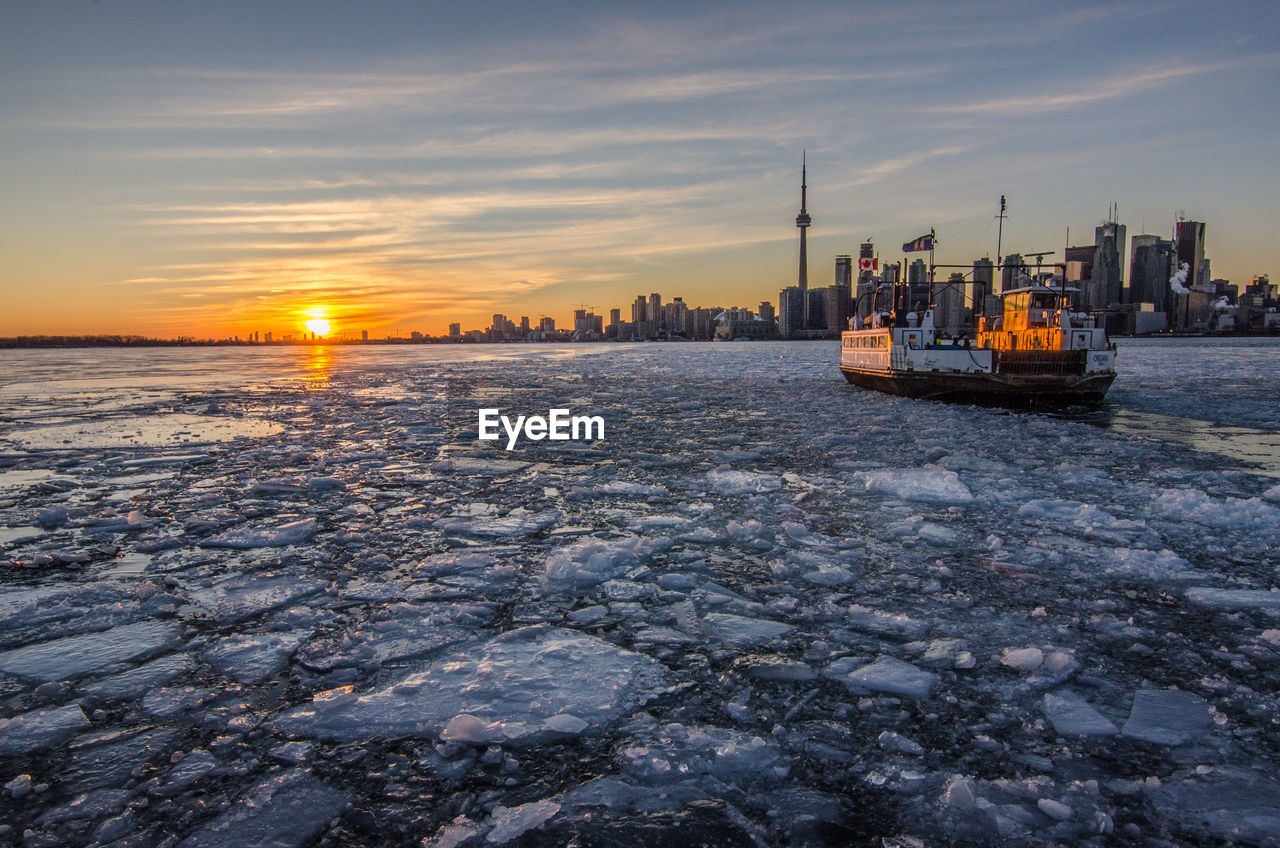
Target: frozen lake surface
x: 284, y: 596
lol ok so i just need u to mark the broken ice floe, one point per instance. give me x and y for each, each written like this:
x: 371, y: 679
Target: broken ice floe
x: 1072, y: 715
x: 589, y: 563
x: 286, y: 810
x: 729, y: 482
x: 917, y: 484
x: 1235, y: 599
x: 674, y: 752
x: 254, y: 658
x: 289, y: 533
x: 37, y: 729
x: 517, y: 684
x: 1167, y: 716
x: 887, y: 675
x: 243, y: 596
x: 76, y: 656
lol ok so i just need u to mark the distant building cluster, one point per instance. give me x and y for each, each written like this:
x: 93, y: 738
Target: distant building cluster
x: 651, y: 320
x: 1170, y: 287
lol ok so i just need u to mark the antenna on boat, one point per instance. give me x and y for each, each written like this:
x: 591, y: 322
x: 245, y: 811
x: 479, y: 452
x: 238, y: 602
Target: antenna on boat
x: 999, y: 241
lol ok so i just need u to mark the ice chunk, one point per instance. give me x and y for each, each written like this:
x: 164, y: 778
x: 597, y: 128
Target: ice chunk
x: 168, y: 701
x: 470, y: 730
x: 454, y: 562
x: 917, y: 484
x: 76, y: 656
x: 1150, y: 565
x: 1055, y: 810
x: 39, y: 729
x: 626, y: 488
x: 243, y: 596
x: 290, y: 533
x: 518, y: 681
x: 1234, y: 599
x: 729, y: 482
x: 779, y: 668
x: 884, y: 623
x: 254, y: 658
x: 891, y: 741
x: 460, y: 831
x: 286, y: 810
x: 673, y: 752
x: 508, y: 823
x: 1237, y: 514
x: 480, y: 466
x: 594, y: 561
x: 134, y: 682
x: 565, y: 723
x: 1167, y: 716
x: 511, y: 526
x: 1232, y: 806
x: 1072, y: 715
x: 960, y: 794
x: 1025, y: 660
x: 892, y: 675
x: 742, y: 632
x: 194, y: 766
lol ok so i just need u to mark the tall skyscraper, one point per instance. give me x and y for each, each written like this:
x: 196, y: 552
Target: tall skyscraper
x: 1107, y: 283
x: 949, y: 304
x: 1012, y: 273
x: 918, y: 294
x: 865, y: 291
x: 655, y: 312
x: 791, y: 311
x: 1150, y: 266
x: 1188, y: 242
x: 837, y: 306
x: 984, y: 277
x: 844, y: 270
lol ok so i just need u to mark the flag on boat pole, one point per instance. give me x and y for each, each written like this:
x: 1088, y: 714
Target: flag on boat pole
x: 868, y: 263
x: 925, y: 242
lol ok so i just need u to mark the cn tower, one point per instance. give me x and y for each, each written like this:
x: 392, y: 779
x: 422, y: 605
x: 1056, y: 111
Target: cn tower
x: 802, y: 222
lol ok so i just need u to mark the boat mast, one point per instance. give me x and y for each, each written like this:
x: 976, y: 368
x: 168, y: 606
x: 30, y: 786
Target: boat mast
x: 933, y: 238
x: 999, y: 241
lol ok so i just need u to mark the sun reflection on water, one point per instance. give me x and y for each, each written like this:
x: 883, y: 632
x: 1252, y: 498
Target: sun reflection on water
x: 316, y: 366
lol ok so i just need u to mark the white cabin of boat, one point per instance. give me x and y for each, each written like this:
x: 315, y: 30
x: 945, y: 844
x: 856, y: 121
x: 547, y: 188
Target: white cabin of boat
x: 1035, y: 320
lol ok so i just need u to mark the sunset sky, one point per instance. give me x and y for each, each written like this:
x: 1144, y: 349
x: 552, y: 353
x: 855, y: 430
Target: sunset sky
x: 210, y: 169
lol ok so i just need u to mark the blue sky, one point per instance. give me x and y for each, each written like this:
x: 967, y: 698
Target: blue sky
x: 214, y: 168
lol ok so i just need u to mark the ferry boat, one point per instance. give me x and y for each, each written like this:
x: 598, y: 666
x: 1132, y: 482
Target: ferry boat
x: 1036, y: 351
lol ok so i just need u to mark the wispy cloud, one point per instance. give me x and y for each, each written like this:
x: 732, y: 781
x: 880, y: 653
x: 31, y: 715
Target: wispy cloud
x: 1083, y: 93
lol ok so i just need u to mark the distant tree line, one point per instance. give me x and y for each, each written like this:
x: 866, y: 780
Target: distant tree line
x: 96, y: 341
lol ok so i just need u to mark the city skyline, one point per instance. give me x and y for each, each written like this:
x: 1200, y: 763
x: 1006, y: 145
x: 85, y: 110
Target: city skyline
x: 190, y: 171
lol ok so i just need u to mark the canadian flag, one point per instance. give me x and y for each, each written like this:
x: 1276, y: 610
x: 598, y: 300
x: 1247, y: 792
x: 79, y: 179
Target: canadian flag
x: 868, y: 264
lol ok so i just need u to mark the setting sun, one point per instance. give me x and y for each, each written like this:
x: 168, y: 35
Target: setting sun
x: 319, y: 326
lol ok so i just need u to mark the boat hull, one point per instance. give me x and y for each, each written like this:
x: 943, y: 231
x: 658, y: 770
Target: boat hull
x: 1004, y: 389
